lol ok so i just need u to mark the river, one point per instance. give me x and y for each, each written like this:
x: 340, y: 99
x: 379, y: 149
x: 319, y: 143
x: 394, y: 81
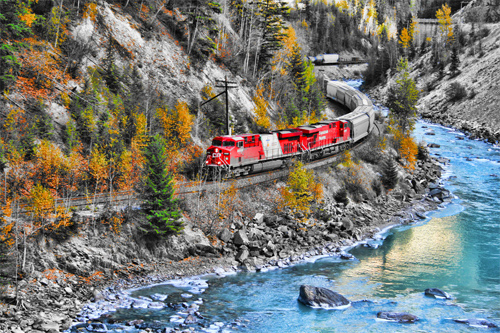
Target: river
x: 456, y: 249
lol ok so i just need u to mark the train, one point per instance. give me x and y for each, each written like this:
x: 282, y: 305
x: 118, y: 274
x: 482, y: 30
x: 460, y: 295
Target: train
x: 333, y: 58
x: 242, y: 154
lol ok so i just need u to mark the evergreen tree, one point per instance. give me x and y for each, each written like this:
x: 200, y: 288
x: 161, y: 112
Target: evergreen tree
x: 402, y: 98
x: 272, y: 23
x: 159, y: 203
x: 455, y: 60
x: 389, y: 173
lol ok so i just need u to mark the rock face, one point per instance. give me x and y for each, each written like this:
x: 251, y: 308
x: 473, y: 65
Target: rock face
x: 400, y: 317
x: 321, y: 297
x: 477, y: 323
x: 437, y: 293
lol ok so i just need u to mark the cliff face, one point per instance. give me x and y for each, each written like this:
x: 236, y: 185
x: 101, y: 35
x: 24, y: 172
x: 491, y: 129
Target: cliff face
x: 158, y: 56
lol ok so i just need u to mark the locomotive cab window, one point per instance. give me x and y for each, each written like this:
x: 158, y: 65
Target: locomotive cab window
x: 240, y: 144
x: 216, y: 143
x: 228, y: 143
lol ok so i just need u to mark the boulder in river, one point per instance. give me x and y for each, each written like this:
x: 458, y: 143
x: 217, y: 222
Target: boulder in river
x: 483, y: 323
x: 322, y: 297
x: 437, y: 293
x: 400, y: 317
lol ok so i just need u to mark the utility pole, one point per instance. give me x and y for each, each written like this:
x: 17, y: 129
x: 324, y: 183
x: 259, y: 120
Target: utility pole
x: 226, y: 85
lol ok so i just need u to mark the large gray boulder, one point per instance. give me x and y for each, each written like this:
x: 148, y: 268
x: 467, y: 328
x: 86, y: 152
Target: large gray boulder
x: 240, y: 238
x: 322, y: 297
x: 437, y: 293
x: 400, y: 317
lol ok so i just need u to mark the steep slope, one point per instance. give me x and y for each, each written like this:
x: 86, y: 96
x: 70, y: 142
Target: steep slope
x: 479, y: 74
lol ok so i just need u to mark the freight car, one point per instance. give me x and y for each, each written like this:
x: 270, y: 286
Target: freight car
x: 234, y: 155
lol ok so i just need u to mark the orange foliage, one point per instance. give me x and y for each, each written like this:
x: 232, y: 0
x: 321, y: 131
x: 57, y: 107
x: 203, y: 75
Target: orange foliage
x: 27, y: 16
x: 409, y: 151
x: 90, y: 11
x: 40, y: 70
x: 176, y: 124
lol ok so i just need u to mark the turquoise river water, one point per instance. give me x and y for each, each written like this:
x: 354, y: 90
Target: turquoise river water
x: 456, y: 249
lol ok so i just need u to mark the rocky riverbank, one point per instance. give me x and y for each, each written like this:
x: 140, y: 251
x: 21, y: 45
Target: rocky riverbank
x: 50, y: 301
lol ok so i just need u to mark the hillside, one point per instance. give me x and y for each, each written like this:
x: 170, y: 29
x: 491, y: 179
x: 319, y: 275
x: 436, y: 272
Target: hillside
x: 468, y: 100
x: 465, y: 97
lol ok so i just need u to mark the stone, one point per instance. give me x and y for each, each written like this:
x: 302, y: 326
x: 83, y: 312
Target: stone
x: 242, y: 255
x: 50, y: 327
x: 477, y: 323
x: 437, y: 293
x: 347, y: 224
x: 321, y: 297
x: 240, y: 238
x: 225, y: 235
x: 400, y: 317
x: 346, y: 256
x: 258, y: 218
x: 433, y: 145
x: 193, y: 237
x: 190, y: 319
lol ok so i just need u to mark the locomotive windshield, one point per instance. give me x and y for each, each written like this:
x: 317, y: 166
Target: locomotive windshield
x: 228, y: 144
x: 216, y: 143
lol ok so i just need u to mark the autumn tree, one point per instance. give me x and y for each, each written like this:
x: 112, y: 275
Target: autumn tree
x: 16, y: 20
x: 402, y: 98
x: 160, y: 204
x: 301, y: 190
x: 445, y: 23
x: 261, y: 108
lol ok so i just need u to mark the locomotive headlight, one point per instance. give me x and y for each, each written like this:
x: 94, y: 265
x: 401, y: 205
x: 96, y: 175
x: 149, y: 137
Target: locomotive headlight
x: 216, y: 150
x: 218, y: 163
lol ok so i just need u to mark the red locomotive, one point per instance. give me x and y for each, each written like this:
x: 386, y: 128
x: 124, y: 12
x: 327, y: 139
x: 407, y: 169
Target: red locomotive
x: 234, y: 155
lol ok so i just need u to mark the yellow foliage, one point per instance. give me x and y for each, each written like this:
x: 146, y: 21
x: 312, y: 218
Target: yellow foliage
x: 98, y: 167
x: 301, y: 189
x: 304, y: 24
x: 346, y: 159
x: 40, y: 202
x: 261, y: 106
x: 342, y: 5
x: 404, y: 38
x: 227, y: 204
x: 445, y: 22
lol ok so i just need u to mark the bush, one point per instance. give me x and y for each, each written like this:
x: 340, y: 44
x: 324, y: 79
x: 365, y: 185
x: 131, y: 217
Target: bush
x: 341, y: 196
x: 456, y: 91
x: 371, y: 151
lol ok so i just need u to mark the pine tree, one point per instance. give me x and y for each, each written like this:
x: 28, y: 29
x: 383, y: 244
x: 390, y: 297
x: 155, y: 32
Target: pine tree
x: 272, y: 14
x: 455, y: 60
x: 402, y: 98
x: 159, y: 205
x: 389, y: 173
